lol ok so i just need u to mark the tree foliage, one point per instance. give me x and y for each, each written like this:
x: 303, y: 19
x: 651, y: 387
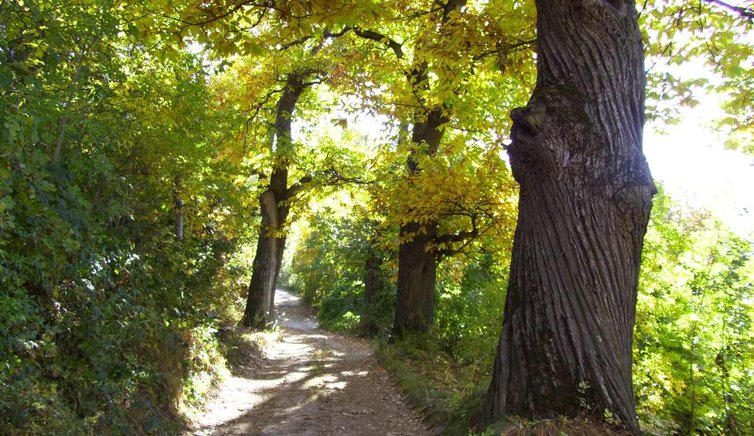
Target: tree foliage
x: 702, y: 48
x: 693, y: 347
x: 101, y: 303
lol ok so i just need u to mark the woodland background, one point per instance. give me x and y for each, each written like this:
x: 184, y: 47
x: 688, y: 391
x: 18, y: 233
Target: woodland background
x: 119, y: 117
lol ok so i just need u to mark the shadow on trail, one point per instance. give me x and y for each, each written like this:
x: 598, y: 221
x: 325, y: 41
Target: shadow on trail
x: 311, y: 382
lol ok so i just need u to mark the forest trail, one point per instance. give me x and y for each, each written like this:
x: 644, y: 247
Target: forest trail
x: 311, y: 382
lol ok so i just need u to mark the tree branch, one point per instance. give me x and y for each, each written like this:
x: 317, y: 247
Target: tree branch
x: 460, y: 237
x: 265, y: 5
x: 507, y: 47
x: 465, y: 238
x: 298, y: 186
x: 331, y: 178
x: 296, y: 42
x: 392, y: 44
x: 740, y: 10
x: 328, y: 34
x: 261, y: 104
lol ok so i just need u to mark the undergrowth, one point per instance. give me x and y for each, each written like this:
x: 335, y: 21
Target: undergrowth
x: 448, y: 393
x: 556, y: 426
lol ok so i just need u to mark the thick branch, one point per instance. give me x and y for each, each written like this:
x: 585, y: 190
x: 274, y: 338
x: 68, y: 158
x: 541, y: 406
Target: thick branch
x: 298, y: 186
x: 460, y: 237
x: 294, y: 43
x: 335, y: 178
x: 396, y: 47
x: 464, y: 238
x: 338, y: 34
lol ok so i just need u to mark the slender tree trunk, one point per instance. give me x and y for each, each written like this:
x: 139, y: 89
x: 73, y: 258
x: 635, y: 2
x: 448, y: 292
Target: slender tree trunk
x: 265, y: 269
x: 374, y: 285
x: 260, y: 304
x: 273, y: 203
x: 417, y: 261
x: 585, y: 198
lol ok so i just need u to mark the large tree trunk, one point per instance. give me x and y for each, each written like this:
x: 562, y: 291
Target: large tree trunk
x: 565, y: 347
x: 417, y: 261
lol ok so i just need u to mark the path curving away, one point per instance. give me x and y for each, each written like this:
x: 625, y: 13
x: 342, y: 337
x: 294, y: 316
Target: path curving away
x: 311, y: 382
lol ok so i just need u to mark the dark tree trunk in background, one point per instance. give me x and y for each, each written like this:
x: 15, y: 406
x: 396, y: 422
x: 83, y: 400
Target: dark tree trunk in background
x: 417, y: 260
x: 274, y: 207
x: 586, y: 191
x: 374, y: 285
x: 417, y: 275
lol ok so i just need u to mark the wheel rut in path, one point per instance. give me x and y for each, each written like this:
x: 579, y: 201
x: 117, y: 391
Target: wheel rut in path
x: 311, y: 382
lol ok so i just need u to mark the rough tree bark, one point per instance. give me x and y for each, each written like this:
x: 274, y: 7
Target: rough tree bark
x: 585, y: 198
x: 274, y: 207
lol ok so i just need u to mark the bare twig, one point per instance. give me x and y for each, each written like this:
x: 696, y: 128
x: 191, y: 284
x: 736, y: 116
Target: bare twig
x: 740, y: 10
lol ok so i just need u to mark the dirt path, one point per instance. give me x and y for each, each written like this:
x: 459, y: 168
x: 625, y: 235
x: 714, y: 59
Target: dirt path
x: 312, y: 382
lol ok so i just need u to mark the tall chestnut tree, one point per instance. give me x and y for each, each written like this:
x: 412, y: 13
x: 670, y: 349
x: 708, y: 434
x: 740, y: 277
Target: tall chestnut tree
x: 586, y: 193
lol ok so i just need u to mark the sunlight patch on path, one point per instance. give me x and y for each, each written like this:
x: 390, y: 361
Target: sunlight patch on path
x: 311, y: 382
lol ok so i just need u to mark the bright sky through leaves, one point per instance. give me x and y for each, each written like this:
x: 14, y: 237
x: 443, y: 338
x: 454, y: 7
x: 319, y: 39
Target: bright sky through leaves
x: 690, y: 162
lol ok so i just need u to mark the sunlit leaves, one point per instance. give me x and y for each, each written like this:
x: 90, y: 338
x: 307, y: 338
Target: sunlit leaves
x: 694, y: 325
x: 700, y: 48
